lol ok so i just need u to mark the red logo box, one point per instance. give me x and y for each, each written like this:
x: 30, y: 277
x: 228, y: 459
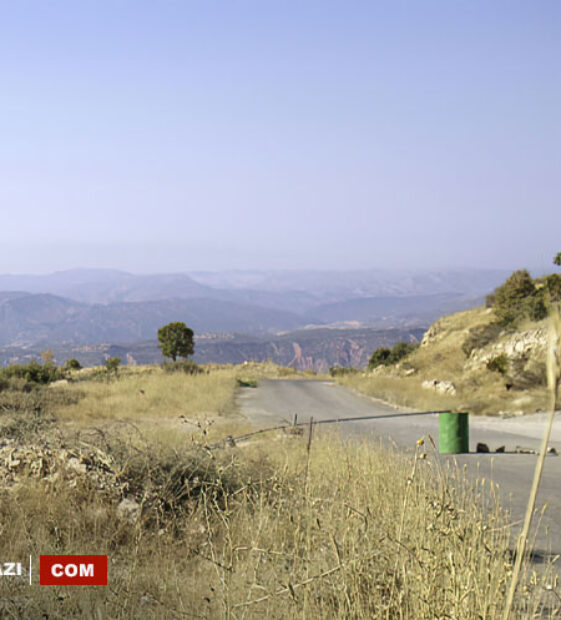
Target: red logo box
x: 73, y: 570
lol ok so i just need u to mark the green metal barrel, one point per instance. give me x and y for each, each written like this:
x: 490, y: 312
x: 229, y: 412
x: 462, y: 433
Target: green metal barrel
x: 453, y: 433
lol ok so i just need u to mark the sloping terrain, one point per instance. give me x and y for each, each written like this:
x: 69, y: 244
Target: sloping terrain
x: 44, y: 319
x: 413, y: 308
x: 467, y: 362
x: 99, y: 306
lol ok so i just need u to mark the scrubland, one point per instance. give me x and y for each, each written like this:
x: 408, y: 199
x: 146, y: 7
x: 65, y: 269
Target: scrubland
x: 128, y: 466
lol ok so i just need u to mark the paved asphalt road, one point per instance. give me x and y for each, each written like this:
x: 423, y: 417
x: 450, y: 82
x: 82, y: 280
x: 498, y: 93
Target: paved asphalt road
x: 275, y: 402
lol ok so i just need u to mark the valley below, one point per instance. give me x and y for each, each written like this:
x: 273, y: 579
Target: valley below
x: 309, y: 320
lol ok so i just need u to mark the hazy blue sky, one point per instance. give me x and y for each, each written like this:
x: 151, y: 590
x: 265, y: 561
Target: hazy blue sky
x: 169, y: 136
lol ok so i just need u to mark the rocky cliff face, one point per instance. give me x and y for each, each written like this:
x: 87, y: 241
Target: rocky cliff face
x: 520, y: 347
x: 313, y: 349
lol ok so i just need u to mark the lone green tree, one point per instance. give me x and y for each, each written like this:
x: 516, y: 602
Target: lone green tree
x: 557, y: 259
x: 176, y: 340
x: 112, y: 365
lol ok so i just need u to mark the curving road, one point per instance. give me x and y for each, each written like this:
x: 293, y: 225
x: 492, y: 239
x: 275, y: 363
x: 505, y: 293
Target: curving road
x: 276, y: 401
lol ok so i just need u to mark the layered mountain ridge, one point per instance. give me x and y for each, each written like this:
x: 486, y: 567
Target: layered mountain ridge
x: 86, y: 307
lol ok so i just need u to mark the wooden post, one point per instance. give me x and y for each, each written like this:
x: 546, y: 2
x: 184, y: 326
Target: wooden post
x: 310, y: 433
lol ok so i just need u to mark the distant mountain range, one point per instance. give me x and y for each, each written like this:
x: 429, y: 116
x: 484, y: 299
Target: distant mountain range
x: 86, y: 307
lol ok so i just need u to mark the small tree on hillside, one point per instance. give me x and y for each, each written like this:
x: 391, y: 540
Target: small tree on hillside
x: 388, y: 357
x: 380, y: 356
x: 176, y: 340
x: 515, y: 298
x: 112, y: 365
x: 73, y: 364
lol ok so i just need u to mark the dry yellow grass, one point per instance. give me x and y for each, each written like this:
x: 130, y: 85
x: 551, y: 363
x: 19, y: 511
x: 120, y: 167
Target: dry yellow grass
x: 155, y: 394
x: 346, y: 531
x: 265, y: 529
x: 142, y: 392
x: 165, y: 406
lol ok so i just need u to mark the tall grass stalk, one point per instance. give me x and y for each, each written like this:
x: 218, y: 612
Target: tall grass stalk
x: 553, y: 379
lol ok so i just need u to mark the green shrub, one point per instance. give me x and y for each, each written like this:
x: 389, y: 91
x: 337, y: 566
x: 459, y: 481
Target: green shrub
x: 33, y: 372
x: 551, y: 287
x: 388, y: 357
x: 250, y: 383
x: 338, y: 371
x: 537, y: 307
x: 514, y: 298
x: 187, y: 366
x: 520, y: 297
x: 73, y: 364
x: 380, y: 356
x: 112, y: 364
x: 498, y: 364
x: 401, y: 350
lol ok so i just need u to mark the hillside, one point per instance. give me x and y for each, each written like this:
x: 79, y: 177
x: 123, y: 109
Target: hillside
x: 91, y: 307
x: 48, y: 320
x: 506, y: 374
x: 409, y: 309
x: 486, y: 360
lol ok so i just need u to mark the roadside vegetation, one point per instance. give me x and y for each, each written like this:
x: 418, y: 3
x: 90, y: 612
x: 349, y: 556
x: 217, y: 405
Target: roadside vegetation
x: 128, y: 464
x: 487, y: 360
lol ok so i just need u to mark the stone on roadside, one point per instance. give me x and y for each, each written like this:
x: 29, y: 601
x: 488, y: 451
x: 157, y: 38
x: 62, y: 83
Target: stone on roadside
x: 442, y: 387
x: 524, y: 450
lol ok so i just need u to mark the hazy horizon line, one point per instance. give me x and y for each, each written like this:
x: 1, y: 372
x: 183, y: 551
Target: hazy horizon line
x: 271, y: 270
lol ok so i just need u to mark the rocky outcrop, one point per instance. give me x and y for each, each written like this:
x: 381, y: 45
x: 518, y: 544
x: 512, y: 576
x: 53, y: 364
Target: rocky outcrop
x: 518, y: 347
x: 442, y: 387
x: 432, y: 333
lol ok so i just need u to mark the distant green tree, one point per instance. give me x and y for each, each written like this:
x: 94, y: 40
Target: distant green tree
x: 380, y: 356
x: 73, y: 364
x: 515, y: 298
x: 112, y: 364
x: 176, y: 340
x: 557, y: 259
x: 387, y: 357
x: 401, y: 350
x: 33, y: 372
